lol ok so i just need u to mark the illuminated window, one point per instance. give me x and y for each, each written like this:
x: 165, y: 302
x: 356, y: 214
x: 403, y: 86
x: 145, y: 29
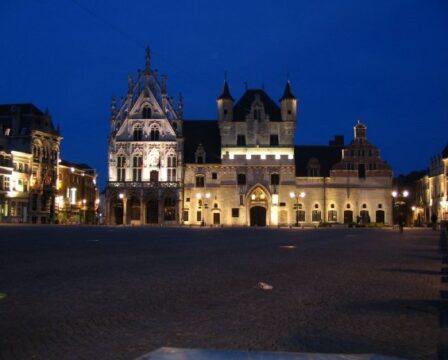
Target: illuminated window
x: 171, y: 168
x: 169, y: 211
x: 332, y: 215
x: 241, y: 140
x: 316, y: 215
x: 72, y: 196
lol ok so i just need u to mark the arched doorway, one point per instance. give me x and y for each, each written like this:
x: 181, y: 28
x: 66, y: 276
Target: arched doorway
x: 133, y: 211
x: 348, y: 216
x: 152, y: 211
x: 258, y: 216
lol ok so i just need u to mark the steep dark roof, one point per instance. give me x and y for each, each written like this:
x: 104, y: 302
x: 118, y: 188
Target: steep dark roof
x: 445, y: 152
x: 25, y: 117
x: 243, y: 106
x: 326, y: 155
x: 205, y: 132
x: 287, y: 94
x: 225, y: 92
x: 81, y: 166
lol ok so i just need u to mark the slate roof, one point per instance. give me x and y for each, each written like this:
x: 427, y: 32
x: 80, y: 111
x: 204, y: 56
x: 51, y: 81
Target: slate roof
x: 205, y: 132
x: 29, y: 117
x: 225, y: 92
x: 287, y: 94
x: 243, y: 106
x: 81, y: 166
x: 327, y: 155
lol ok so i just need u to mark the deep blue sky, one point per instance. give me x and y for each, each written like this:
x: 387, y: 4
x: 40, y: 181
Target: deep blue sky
x: 382, y: 61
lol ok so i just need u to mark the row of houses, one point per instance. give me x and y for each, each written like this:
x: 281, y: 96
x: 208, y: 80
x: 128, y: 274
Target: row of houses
x: 36, y: 185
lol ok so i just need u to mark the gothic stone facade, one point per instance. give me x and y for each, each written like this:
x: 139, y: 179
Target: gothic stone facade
x: 242, y: 169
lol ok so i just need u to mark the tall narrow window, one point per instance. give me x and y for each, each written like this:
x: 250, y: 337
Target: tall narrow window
x: 154, y: 134
x: 199, y: 180
x: 171, y: 168
x: 241, y: 179
x: 275, y: 179
x: 138, y: 133
x: 362, y: 171
x: 121, y: 168
x: 146, y: 114
x: 137, y: 164
x: 241, y: 140
x: 274, y: 140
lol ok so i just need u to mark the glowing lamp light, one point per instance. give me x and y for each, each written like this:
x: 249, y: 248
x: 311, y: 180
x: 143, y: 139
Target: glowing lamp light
x: 413, y: 208
x: 302, y: 194
x: 262, y: 196
x: 207, y: 195
x: 84, y: 201
x: 121, y: 195
x: 198, y: 195
x: 394, y: 194
x: 292, y: 195
x: 72, y: 169
x: 405, y: 193
x: 252, y: 196
x: 263, y: 156
x: 97, y: 201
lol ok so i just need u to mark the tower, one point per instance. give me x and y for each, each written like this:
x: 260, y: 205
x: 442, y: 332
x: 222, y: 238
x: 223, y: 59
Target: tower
x: 225, y: 104
x: 288, y: 104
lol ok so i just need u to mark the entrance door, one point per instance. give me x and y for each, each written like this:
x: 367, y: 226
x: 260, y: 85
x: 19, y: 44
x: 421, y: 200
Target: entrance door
x: 348, y: 216
x: 118, y: 212
x: 152, y: 212
x: 216, y: 218
x: 258, y: 216
x: 380, y: 216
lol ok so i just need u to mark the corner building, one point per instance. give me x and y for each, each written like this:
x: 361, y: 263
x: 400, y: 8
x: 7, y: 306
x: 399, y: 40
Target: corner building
x: 242, y: 169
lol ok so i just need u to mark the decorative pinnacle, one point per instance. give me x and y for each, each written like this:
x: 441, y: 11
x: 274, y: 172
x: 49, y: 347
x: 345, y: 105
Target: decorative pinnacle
x: 164, y: 77
x: 114, y: 105
x: 130, y: 84
x: 148, y: 61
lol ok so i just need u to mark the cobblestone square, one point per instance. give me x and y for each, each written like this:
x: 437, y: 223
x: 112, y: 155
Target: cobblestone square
x: 120, y: 292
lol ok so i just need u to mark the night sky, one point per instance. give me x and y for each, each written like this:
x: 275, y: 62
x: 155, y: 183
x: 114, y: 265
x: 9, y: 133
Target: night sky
x: 384, y: 62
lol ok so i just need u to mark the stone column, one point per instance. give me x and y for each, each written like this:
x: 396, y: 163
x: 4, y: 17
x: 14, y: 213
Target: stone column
x: 125, y: 210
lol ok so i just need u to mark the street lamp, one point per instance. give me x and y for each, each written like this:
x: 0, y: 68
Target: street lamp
x: 199, y: 196
x: 398, y: 199
x: 300, y: 195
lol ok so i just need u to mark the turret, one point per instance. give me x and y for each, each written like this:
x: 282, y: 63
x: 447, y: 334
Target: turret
x: 225, y: 104
x: 360, y: 131
x: 288, y: 104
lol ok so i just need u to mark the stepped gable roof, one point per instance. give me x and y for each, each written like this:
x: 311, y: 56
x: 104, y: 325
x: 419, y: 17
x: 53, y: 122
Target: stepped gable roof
x: 205, y: 132
x: 327, y: 155
x: 243, y: 106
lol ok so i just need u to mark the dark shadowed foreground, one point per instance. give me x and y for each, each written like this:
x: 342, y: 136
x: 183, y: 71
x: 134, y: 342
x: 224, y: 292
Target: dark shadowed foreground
x: 103, y: 293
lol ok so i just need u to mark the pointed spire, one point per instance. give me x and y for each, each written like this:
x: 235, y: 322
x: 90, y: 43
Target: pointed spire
x: 148, y: 61
x: 113, y: 106
x: 180, y: 106
x: 287, y: 94
x: 225, y: 92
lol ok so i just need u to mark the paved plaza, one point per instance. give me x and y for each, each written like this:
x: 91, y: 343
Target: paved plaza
x: 120, y: 292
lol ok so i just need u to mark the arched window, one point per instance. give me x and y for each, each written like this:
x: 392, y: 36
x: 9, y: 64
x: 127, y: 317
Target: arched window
x: 138, y: 132
x: 147, y: 112
x: 154, y: 134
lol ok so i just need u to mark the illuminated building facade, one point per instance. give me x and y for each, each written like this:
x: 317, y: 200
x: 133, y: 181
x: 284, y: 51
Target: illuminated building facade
x: 242, y: 169
x: 432, y: 190
x: 78, y: 199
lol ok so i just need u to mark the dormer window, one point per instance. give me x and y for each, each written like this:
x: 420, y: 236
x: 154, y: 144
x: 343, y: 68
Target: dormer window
x: 154, y: 134
x: 147, y: 112
x: 200, y: 154
x: 313, y: 167
x: 138, y: 133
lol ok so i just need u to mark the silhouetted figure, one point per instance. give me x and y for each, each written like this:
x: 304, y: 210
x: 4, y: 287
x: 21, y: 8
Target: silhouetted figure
x: 434, y: 221
x: 401, y: 221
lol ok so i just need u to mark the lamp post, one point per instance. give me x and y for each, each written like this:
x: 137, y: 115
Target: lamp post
x: 398, y: 200
x: 295, y: 196
x: 204, y: 206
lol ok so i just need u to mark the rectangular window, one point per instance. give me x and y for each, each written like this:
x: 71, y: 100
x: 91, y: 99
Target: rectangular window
x: 137, y: 164
x: 241, y: 179
x: 235, y: 212
x: 185, y: 215
x: 198, y: 215
x: 275, y: 179
x: 316, y: 215
x: 361, y: 171
x: 200, y: 181
x: 214, y: 176
x: 121, y: 170
x: 301, y: 215
x: 241, y: 140
x: 6, y: 183
x: 332, y: 216
x: 274, y: 140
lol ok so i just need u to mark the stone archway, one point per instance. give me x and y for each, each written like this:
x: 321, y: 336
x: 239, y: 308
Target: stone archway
x: 152, y: 211
x: 258, y: 205
x: 116, y: 211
